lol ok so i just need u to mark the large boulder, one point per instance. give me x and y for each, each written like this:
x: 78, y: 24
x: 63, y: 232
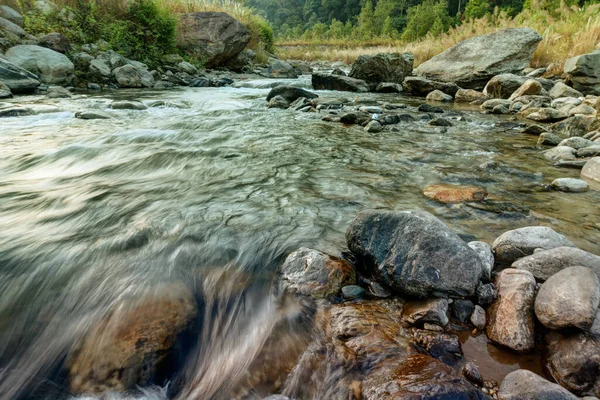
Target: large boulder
x: 544, y: 264
x: 414, y: 252
x: 384, y: 67
x: 52, y: 67
x: 591, y: 169
x: 526, y: 385
x: 133, y: 76
x: 323, y: 81
x: 214, y: 37
x: 17, y: 79
x: 419, y: 86
x: 518, y: 243
x: 510, y: 317
x: 584, y: 72
x: 473, y: 62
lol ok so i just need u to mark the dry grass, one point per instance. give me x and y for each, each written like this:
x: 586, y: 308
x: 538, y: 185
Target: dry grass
x: 574, y: 32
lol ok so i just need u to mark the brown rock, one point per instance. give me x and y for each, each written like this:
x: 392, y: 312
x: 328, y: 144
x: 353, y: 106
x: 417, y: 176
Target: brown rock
x: 454, y: 194
x: 510, y: 317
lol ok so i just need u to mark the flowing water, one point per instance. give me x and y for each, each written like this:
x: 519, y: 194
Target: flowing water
x: 95, y: 213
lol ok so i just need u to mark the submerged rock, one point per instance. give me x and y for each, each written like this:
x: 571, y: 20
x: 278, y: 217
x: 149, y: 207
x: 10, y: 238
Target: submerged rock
x: 510, y: 317
x: 526, y: 385
x: 454, y: 194
x: 128, y: 105
x: 414, y: 252
x: 522, y: 242
x: 384, y: 67
x: 569, y: 298
x: 322, y: 81
x: 473, y: 62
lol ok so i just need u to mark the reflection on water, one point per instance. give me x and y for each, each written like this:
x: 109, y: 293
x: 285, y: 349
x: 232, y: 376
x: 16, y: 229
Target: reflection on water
x: 95, y: 212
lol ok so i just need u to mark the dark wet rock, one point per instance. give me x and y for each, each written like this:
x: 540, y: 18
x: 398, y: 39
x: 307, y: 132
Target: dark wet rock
x: 561, y: 90
x: 419, y: 86
x: 56, y: 41
x: 16, y: 78
x: 510, y: 317
x: 338, y: 71
x: 485, y: 253
x: 126, y: 348
x: 241, y: 62
x: 51, y: 67
x: 413, y: 252
x: 290, y: 93
x: 439, y: 96
x: 549, y: 139
x: 386, y: 87
x: 591, y: 169
x: 128, y: 105
x: 560, y: 153
x: 478, y: 318
x: 570, y: 185
x: 522, y: 242
x: 313, y: 273
x: 503, y: 86
x: 391, y: 119
x: 383, y: 67
x: 203, y: 82
x: 442, y: 346
x: 574, y: 361
x: 486, y: 294
x: 500, y: 110
x: 569, y: 298
x: 5, y: 92
x: 473, y: 62
x: 15, y: 112
x: 321, y: 81
x: 428, y: 108
x: 431, y: 310
x: 577, y: 125
x: 471, y: 372
x: 526, y: 385
x: 92, y: 115
x: 445, y: 193
x: 469, y: 96
x: 352, y: 292
x: 462, y: 309
x: 300, y: 104
x: 278, y: 102
x: 354, y: 117
x: 214, y: 37
x: 440, y: 122
x: 583, y: 72
x: 374, y: 127
x: 302, y: 67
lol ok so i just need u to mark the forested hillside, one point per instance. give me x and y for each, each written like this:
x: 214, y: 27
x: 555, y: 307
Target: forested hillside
x: 406, y: 19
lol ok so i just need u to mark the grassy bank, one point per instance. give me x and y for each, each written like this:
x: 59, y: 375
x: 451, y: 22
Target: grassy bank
x: 572, y: 32
x: 144, y: 30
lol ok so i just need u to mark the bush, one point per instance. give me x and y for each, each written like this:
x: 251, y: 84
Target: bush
x: 429, y: 16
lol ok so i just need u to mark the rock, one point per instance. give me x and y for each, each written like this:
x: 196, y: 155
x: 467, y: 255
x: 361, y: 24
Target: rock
x: 478, y: 318
x: 570, y: 185
x: 486, y: 294
x: 17, y: 79
x: 126, y: 348
x: 278, y: 102
x: 574, y: 361
x: 374, y: 127
x: 577, y: 125
x: 510, y: 317
x: 546, y: 114
x: 484, y: 251
x: 281, y: 69
x: 100, y: 69
x: 93, y: 86
x: 590, y: 151
x: 584, y: 72
x: 242, y: 62
x: 526, y: 385
x: 10, y: 14
x: 352, y: 292
x: 52, y: 67
x: 312, y: 273
x: 302, y: 67
x: 582, y: 109
x: 11, y: 28
x: 81, y: 61
x: 431, y: 311
x: 530, y: 87
x: 500, y: 110
x: 473, y: 62
x: 565, y: 101
x: 454, y: 194
x: 413, y: 252
x: 493, y: 103
x: 428, y: 108
x: 576, y: 142
x: 440, y: 122
x: 213, y: 37
x: 56, y: 41
x: 383, y: 67
x: 462, y: 309
x: 386, y: 87
x: 569, y: 298
x: 534, y: 130
x: 471, y: 372
x: 353, y: 117
x: 321, y: 81
x: 5, y: 92
x: 128, y: 105
x: 290, y: 93
x: 469, y: 95
x: 560, y: 153
x: 591, y: 169
x: 561, y: 90
x: 503, y: 86
x: 544, y: 264
x: 92, y: 115
x: 419, y: 86
x: 129, y: 76
x: 549, y: 139
x: 522, y: 242
x: 438, y: 95
x: 58, y: 92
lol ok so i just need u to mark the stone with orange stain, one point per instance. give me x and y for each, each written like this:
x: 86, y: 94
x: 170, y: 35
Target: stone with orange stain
x: 454, y: 193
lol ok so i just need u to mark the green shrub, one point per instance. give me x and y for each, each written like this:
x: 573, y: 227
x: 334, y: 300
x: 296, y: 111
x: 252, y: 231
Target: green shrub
x: 262, y: 37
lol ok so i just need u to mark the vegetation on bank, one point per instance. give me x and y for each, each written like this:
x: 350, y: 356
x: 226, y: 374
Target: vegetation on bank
x: 567, y: 31
x: 143, y: 30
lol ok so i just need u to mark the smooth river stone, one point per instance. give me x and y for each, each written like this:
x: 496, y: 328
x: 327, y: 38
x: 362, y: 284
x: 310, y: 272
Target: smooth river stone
x: 526, y: 385
x: 591, y: 170
x: 544, y: 264
x: 569, y: 298
x: 510, y: 317
x: 431, y: 310
x: 484, y: 251
x: 570, y: 185
x: 522, y: 242
x: 454, y: 194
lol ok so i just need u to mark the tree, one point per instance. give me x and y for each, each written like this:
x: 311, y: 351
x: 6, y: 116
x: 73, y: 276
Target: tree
x: 429, y: 16
x: 477, y: 8
x: 366, y: 21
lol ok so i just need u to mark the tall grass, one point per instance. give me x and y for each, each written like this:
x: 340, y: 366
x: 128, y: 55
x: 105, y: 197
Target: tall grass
x: 569, y: 33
